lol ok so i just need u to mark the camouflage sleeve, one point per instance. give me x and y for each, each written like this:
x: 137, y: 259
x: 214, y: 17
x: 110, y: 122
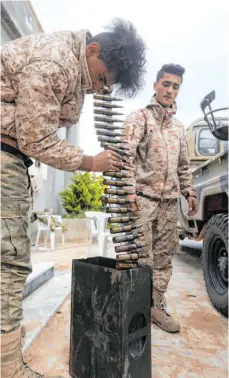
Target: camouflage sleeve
x: 134, y: 127
x: 41, y: 89
x: 184, y: 170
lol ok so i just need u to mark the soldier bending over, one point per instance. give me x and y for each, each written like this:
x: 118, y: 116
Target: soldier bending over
x: 44, y: 80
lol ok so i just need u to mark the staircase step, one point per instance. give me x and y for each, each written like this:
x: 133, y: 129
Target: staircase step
x: 41, y: 305
x: 42, y: 272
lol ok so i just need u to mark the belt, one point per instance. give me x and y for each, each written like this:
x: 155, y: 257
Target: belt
x: 14, y: 151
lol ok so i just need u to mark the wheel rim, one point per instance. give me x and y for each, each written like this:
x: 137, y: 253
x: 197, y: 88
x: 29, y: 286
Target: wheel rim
x: 219, y: 265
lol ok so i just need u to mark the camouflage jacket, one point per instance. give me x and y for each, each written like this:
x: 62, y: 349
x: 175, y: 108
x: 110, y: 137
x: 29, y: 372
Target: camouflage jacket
x: 44, y: 78
x: 159, y: 152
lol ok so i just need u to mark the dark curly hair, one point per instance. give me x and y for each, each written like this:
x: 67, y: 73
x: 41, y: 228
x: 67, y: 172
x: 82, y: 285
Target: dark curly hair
x: 172, y: 69
x: 123, y: 51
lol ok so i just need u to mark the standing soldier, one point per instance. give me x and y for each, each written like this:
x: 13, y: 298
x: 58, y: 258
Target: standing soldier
x: 162, y: 172
x: 44, y: 80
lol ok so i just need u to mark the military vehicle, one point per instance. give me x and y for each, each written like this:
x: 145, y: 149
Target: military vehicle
x: 208, y: 151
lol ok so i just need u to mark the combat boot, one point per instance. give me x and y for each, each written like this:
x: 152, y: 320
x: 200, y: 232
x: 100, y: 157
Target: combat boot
x: 159, y: 315
x: 12, y: 364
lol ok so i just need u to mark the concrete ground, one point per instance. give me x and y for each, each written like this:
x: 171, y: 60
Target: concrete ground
x: 200, y: 350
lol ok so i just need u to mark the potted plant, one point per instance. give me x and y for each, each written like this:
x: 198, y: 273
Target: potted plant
x: 82, y: 194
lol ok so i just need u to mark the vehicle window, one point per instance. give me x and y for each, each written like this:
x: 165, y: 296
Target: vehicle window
x: 208, y: 144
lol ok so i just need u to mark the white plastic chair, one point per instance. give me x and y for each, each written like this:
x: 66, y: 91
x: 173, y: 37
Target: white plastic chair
x: 58, y: 218
x: 93, y: 232
x: 100, y: 220
x: 43, y: 227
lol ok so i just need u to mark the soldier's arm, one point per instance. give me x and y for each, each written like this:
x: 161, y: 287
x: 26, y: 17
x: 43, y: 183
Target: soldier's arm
x: 134, y: 127
x: 184, y: 170
x: 41, y: 87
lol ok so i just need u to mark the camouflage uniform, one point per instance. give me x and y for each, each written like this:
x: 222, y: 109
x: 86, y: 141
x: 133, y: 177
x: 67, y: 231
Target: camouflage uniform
x: 44, y: 79
x: 159, y: 220
x: 43, y: 83
x: 162, y: 172
x: 15, y: 244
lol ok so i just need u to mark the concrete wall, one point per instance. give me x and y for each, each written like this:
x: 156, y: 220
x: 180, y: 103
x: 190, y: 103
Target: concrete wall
x: 77, y: 231
x: 48, y: 195
x: 18, y: 19
x: 5, y: 37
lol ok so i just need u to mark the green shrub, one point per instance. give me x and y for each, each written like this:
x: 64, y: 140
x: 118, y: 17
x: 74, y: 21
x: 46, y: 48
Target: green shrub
x: 83, y: 194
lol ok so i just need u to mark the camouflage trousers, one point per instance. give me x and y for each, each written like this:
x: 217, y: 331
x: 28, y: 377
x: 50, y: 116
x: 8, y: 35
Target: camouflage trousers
x: 160, y: 231
x: 15, y: 244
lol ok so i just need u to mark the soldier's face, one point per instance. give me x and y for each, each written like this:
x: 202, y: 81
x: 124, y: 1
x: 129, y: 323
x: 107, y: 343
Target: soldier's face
x: 167, y: 89
x: 102, y: 79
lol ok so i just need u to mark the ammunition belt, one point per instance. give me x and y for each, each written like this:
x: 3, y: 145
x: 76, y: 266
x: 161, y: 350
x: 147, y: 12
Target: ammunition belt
x: 130, y: 245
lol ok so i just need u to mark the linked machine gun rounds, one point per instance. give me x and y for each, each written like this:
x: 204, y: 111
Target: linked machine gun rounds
x: 108, y: 133
x: 106, y: 98
x: 106, y: 105
x: 106, y: 126
x: 107, y: 112
x: 106, y: 119
x: 128, y: 232
x: 118, y: 148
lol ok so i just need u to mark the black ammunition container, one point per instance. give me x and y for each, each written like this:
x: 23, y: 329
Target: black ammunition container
x: 110, y: 333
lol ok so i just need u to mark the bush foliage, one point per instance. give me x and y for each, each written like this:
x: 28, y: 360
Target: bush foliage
x: 83, y: 194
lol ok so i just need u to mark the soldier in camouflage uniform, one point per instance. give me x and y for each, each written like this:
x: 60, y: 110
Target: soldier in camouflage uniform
x: 44, y: 79
x: 162, y: 172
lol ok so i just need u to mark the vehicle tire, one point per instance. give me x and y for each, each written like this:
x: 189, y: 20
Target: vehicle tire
x: 215, y: 261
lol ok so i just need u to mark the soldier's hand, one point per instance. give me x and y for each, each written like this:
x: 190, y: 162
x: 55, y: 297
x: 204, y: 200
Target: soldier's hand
x: 193, y: 206
x: 107, y: 161
x: 134, y: 206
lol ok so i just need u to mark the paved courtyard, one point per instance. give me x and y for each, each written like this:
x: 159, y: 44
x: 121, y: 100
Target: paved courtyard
x: 199, y: 351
